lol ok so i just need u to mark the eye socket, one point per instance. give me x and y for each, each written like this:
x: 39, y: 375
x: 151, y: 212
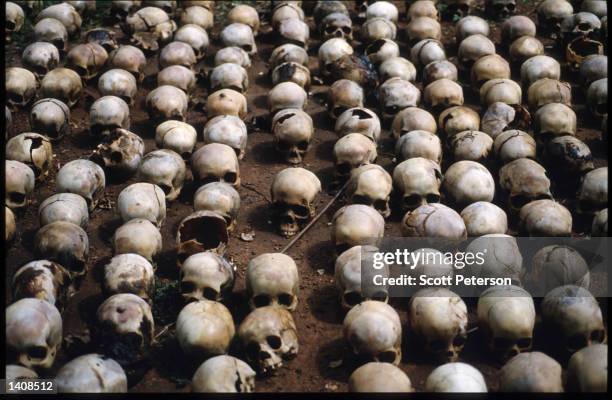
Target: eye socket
x: 344, y: 168
x: 37, y: 352
x: 583, y: 26
x: 230, y: 177
x: 502, y: 343
x: 412, y: 201
x: 80, y: 70
x: 274, y: 341
x: 285, y: 299
x: 301, y: 211
x: 283, y: 146
x: 387, y: 356
x: 346, y: 30
x: 437, y: 345
x: 116, y: 156
x: 432, y: 198
x: 330, y: 29
x: 302, y: 145
x: 391, y: 110
x: 352, y: 298
x: 360, y: 199
x: 379, y: 296
x: 523, y: 343
x: 247, y: 47
x: 16, y: 197
x: 380, y: 205
x: 210, y: 294
x: 576, y: 342
x: 518, y: 201
x: 459, y: 340
x: 337, y: 111
x: 598, y: 335
x: 187, y: 287
x: 261, y: 300
x: 58, y: 43
x: 165, y: 188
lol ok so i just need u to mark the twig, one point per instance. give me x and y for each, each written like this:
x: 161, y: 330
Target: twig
x: 164, y: 330
x: 315, y: 219
x: 249, y: 187
x: 474, y: 329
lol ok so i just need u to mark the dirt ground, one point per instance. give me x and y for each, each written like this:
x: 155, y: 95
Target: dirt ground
x: 318, y: 316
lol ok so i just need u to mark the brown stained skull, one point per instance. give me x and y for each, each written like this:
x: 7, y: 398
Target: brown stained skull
x: 201, y: 231
x: 524, y: 180
x: 44, y: 280
x: 293, y: 194
x: 371, y: 185
x: 65, y: 243
x: 87, y: 59
x: 121, y: 152
x: 32, y: 149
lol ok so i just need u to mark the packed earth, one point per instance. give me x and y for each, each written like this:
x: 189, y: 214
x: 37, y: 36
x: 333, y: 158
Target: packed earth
x: 191, y: 186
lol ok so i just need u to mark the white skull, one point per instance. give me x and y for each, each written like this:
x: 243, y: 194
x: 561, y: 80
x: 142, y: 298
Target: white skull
x: 268, y: 336
x: 433, y: 220
x: 128, y: 58
x: 439, y: 318
x: 284, y: 53
x: 32, y: 149
x: 87, y: 59
x: 352, y: 151
x: 223, y: 374
x: 466, y: 182
x: 120, y: 83
x: 142, y: 200
x: 417, y: 182
x: 293, y: 129
x: 66, y: 14
x: 378, y: 28
x: 419, y: 143
x: 65, y: 243
x: 587, y: 369
x: 167, y: 102
x: 272, y: 279
x: 68, y: 207
x: 395, y: 95
x: 18, y: 183
x: 227, y: 102
x: 507, y: 316
x: 442, y: 69
x: 20, y: 86
x: 120, y: 152
x: 229, y: 130
x: 330, y: 51
x: 411, y: 119
x: 33, y: 333
x: 216, y: 162
x: 293, y: 30
x: 374, y: 332
x: 397, y: 67
x: 455, y: 377
x: 545, y: 218
x: 593, y: 192
x: 471, y: 146
x: 44, y: 280
x: 14, y: 18
x: 379, y: 377
x: 129, y: 273
x: 239, y: 35
x: 229, y: 76
x: 514, y: 144
x: 50, y: 117
x: 53, y: 31
x: 371, y: 185
x: 287, y: 95
x: 82, y: 177
x: 91, y: 373
x: 359, y: 120
x: 234, y: 55
x: 176, y: 135
x: 206, y: 275
x: 138, y: 236
x: 471, y: 25
x: 178, y: 76
x: 197, y: 15
x: 177, y: 53
x: 354, y: 225
x: 40, y: 58
x: 220, y: 198
x: 245, y: 14
x: 166, y: 169
x: 531, y: 372
x: 108, y: 114
x: 427, y: 51
x: 483, y: 218
x: 381, y: 50
x: 195, y: 36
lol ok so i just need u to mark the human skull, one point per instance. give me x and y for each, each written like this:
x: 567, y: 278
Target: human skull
x: 471, y: 25
x: 32, y: 149
x: 87, y: 59
x: 427, y: 51
x: 356, y: 225
x: 293, y: 30
x: 14, y: 18
x: 44, y: 280
x: 167, y: 102
x: 550, y: 13
x: 142, y: 200
x: 501, y: 90
x: 287, y: 95
x: 289, y: 10
x: 82, y: 177
x: 558, y: 265
x: 206, y: 275
x: 102, y: 36
x: 438, y: 318
x: 593, y: 68
x: 379, y: 377
x: 233, y: 55
x: 268, y: 336
x: 531, y: 372
x: 594, y: 6
x: 177, y: 136
x: 197, y: 15
x: 359, y: 120
x: 500, y: 9
x: 500, y: 117
x: 323, y: 8
x: 229, y: 76
x: 293, y: 130
x: 442, y: 94
x: 455, y: 377
x: 419, y: 143
x: 293, y: 195
x: 201, y: 231
x: 381, y: 50
x: 272, y: 279
x: 411, y: 119
x: 524, y: 48
x: 524, y: 180
x: 507, y: 316
x: 20, y: 86
x: 472, y: 48
x: 539, y: 67
x: 107, y: 115
x: 342, y: 95
x: 129, y: 273
x: 50, y: 117
x: 195, y: 36
x: 120, y: 152
x: 52, y: 31
x: 93, y: 373
x: 433, y: 220
x: 397, y: 67
x: 554, y: 120
x: 417, y: 182
x: 422, y: 28
x: 138, y: 236
x: 239, y: 35
x: 68, y: 207
x: 487, y: 67
x: 65, y: 243
x: 442, y: 69
x: 571, y: 155
x: 216, y: 162
x: 63, y: 84
x: 284, y: 53
x: 599, y: 226
x: 40, y: 57
x: 422, y: 8
x: 374, y: 332
x: 395, y: 95
x: 124, y: 328
x: 18, y: 372
x: 120, y: 83
x: 245, y: 14
x: 579, y: 49
x: 330, y: 51
x: 581, y: 24
x: 64, y: 13
x: 382, y: 9
x: 593, y: 192
x: 223, y: 374
x: 122, y: 8
x: 128, y: 58
x: 472, y: 146
x: 177, y: 53
x: 458, y: 119
x: 586, y: 371
x: 229, y: 130
x: 484, y: 218
x: 370, y: 185
x: 352, y: 151
x: 220, y: 198
x: 164, y: 168
x: 597, y: 97
x: 466, y: 182
x: 514, y: 144
x: 545, y: 218
x: 149, y: 27
x: 378, y: 28
x: 337, y: 25
x: 227, y: 102
x: 33, y: 333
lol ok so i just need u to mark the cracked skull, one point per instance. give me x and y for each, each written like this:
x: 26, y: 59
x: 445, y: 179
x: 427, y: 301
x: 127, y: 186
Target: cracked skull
x: 166, y: 169
x: 293, y: 130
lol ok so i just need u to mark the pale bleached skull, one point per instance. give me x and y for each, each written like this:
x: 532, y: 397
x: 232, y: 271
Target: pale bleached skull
x: 284, y: 53
x: 201, y: 231
x: 245, y: 14
x: 167, y: 103
x: 51, y: 118
x: 293, y: 30
x: 32, y: 149
x: 370, y: 185
x: 120, y: 83
x: 483, y: 218
x: 82, y: 177
x: 550, y: 13
x: 291, y: 72
x: 179, y: 76
x: 206, y: 275
x: 138, y: 236
x: 129, y: 273
x: 272, y: 279
x: 531, y: 372
x: 523, y: 180
x: 545, y: 91
x: 227, y: 102
x: 359, y: 120
x: 268, y: 336
x: 417, y: 182
x: 336, y: 25
x: 124, y: 328
x: 195, y: 36
x: 149, y: 27
x: 120, y: 152
x: 514, y: 144
x: 597, y: 97
x: 92, y: 373
x: 128, y: 58
x: 229, y: 76
x: 287, y: 10
x: 375, y: 29
x: 545, y: 218
x: 216, y: 162
x: 373, y: 331
x: 142, y: 200
x: 456, y: 377
x: 379, y: 377
x: 294, y: 191
x: 87, y: 59
x: 223, y: 374
x: 472, y: 146
x: 177, y: 53
x: 177, y: 136
x: 44, y: 280
x: 354, y: 225
x: 382, y: 9
x: 352, y: 151
x: 539, y: 67
x: 397, y: 67
x: 65, y: 243
x: 438, y: 317
x: 500, y: 257
x: 395, y: 95
x: 239, y: 35
x: 221, y: 198
x: 342, y: 95
x: 471, y: 25
x: 515, y: 27
x: 330, y: 51
x: 20, y: 86
x: 164, y: 168
x: 523, y: 48
x: 381, y: 50
x: 52, y: 31
x: 412, y: 119
x: 293, y: 130
x: 40, y: 58
x: 472, y: 48
x: 64, y: 13
x: 442, y: 69
x: 506, y: 315
x: 14, y: 18
x: 229, y: 130
x: 427, y: 51
x: 433, y: 220
x: 419, y: 143
x: 442, y: 94
x: 197, y: 15
x: 108, y: 114
x: 558, y: 265
x: 593, y: 68
x: 587, y: 369
x: 64, y: 207
x: 33, y: 333
x: 458, y: 119
x: 554, y: 119
x: 19, y: 184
